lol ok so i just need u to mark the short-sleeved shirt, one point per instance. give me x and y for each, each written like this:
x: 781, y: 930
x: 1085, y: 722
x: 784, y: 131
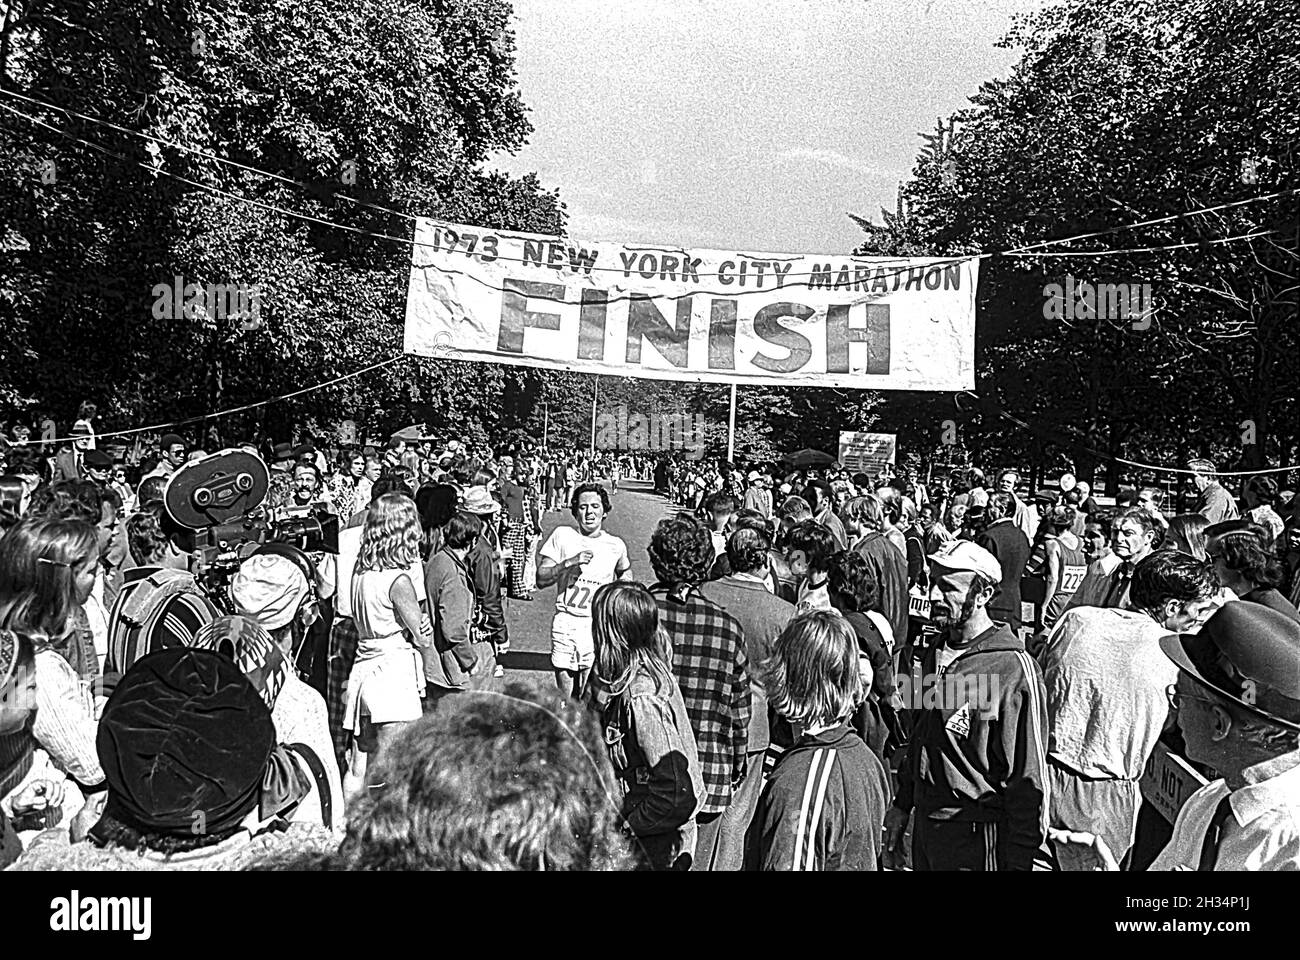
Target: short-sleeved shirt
x: 576, y: 587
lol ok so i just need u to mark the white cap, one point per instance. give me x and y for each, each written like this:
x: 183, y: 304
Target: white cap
x: 962, y: 555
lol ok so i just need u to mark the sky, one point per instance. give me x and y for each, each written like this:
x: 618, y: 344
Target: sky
x: 742, y: 124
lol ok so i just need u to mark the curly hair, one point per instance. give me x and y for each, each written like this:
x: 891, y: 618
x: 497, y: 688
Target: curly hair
x: 850, y: 585
x: 681, y: 551
x: 582, y: 488
x: 517, y: 780
x: 812, y: 675
x: 145, y: 537
x: 66, y: 500
x: 392, y: 535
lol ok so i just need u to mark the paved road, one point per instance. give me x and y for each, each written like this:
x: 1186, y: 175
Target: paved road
x: 635, y: 511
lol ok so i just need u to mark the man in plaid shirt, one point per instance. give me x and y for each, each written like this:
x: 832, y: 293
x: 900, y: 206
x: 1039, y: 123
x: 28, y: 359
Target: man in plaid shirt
x: 710, y: 665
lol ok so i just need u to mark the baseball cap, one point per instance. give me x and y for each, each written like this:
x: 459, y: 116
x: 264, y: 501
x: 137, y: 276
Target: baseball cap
x: 268, y: 588
x: 962, y: 555
x: 1247, y: 653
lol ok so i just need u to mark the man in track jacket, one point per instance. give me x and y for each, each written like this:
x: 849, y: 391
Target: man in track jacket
x: 976, y: 771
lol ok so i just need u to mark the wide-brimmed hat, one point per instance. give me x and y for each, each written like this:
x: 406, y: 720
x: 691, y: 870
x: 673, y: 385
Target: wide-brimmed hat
x: 1247, y: 653
x: 479, y: 500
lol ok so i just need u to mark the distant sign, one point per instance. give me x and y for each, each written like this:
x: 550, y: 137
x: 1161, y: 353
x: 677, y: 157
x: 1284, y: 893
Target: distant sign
x: 1168, y: 781
x: 867, y: 452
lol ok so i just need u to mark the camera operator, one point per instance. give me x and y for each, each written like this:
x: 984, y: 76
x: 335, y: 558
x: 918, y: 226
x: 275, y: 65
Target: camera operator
x: 160, y: 603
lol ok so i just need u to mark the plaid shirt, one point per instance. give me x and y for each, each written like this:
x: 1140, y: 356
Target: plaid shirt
x: 711, y: 667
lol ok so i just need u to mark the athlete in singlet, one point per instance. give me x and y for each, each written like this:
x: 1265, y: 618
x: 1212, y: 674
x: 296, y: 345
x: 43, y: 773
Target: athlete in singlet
x: 579, y: 562
x: 1065, y: 566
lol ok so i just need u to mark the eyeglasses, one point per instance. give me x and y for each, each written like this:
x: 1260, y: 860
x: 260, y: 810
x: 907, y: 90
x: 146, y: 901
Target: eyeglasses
x: 1174, y: 696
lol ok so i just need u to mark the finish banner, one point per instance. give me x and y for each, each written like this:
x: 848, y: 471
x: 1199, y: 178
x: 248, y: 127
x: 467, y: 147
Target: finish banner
x: 717, y: 316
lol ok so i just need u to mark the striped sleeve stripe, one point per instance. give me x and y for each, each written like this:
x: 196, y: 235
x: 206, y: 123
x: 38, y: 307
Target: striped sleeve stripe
x: 817, y: 810
x: 803, y: 808
x: 1038, y: 727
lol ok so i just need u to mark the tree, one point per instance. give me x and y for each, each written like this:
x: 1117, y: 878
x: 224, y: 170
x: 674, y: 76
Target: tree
x: 395, y: 103
x: 1122, y: 111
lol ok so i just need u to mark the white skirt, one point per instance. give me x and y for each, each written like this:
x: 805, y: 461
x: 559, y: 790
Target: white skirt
x: 385, y: 688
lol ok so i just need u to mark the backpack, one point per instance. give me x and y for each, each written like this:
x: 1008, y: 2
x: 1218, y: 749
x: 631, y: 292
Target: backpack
x: 139, y: 623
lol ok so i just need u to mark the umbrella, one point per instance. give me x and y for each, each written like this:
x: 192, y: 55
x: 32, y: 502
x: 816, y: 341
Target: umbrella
x: 809, y: 458
x: 414, y: 432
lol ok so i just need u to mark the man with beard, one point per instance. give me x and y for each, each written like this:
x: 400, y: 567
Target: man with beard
x: 976, y: 769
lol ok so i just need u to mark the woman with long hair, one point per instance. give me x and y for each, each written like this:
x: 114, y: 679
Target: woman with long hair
x: 13, y: 500
x: 436, y: 504
x: 648, y: 734
x: 1186, y: 534
x: 47, y: 569
x: 343, y: 485
x: 387, y: 679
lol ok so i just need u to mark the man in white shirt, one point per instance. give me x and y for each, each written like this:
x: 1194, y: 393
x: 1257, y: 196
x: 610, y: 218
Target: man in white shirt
x: 1238, y: 701
x: 1107, y: 699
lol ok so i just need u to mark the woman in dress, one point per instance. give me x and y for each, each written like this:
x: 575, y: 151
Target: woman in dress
x: 387, y: 678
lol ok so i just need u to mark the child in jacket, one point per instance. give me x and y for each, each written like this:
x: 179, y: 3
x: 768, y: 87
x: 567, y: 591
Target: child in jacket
x: 823, y: 808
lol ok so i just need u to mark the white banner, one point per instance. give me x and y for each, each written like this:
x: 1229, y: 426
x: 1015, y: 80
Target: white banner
x: 706, y: 315
x: 867, y: 452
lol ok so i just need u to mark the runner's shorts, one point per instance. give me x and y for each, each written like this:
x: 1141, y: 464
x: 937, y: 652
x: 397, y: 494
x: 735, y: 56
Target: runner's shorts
x: 571, y: 644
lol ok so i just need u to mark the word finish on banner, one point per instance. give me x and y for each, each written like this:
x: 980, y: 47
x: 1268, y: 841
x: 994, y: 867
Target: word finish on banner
x: 705, y: 315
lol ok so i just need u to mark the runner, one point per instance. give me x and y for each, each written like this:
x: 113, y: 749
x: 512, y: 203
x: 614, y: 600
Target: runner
x: 579, y: 562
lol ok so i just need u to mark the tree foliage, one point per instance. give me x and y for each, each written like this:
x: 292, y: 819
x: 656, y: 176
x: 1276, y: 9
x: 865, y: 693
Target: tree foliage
x: 393, y: 102
x: 1122, y: 111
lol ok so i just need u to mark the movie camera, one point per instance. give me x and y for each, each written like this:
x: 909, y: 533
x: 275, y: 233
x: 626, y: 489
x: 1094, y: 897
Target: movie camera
x: 222, y: 499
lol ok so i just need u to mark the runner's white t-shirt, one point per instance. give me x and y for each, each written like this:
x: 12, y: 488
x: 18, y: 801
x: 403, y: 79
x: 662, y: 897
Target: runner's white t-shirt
x: 576, y: 587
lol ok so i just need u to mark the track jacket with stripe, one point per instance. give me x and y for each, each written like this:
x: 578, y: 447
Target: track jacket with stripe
x: 822, y: 808
x: 978, y: 748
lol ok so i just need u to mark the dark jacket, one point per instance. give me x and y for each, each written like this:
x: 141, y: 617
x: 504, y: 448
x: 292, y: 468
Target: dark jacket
x: 451, y: 607
x: 889, y: 571
x: 1007, y: 542
x: 485, y: 571
x: 1271, y: 598
x: 823, y: 807
x: 978, y: 748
